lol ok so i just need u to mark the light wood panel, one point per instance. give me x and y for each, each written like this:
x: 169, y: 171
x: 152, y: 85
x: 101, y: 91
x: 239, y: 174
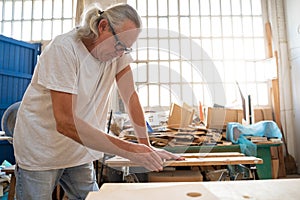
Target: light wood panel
x: 259, y: 189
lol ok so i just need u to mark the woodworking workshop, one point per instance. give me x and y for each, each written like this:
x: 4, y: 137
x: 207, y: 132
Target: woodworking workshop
x: 149, y: 99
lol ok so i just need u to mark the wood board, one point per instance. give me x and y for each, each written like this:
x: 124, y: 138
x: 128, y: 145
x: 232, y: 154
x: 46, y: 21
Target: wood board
x: 205, y: 161
x: 260, y: 189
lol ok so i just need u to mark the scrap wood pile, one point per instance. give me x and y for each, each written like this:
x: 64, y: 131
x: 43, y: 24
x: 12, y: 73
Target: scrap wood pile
x: 166, y: 136
x: 181, y: 128
x: 179, y: 131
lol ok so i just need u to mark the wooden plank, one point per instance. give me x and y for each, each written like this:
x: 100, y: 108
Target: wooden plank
x: 217, y: 154
x: 281, y: 172
x: 259, y: 189
x: 269, y: 39
x: 206, y: 161
x: 275, y: 162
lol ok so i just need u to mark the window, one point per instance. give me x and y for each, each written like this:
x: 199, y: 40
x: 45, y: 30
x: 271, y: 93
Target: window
x: 36, y: 20
x: 196, y: 51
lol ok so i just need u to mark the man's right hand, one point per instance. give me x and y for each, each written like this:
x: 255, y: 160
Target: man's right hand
x: 146, y: 157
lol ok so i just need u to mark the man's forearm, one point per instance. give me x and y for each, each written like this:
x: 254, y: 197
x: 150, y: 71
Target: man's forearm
x: 137, y: 118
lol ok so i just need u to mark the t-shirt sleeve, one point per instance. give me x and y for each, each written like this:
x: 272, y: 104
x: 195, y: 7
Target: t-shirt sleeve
x: 58, y: 69
x: 123, y: 62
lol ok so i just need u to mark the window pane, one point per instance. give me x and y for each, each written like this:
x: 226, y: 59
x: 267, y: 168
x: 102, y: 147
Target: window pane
x: 17, y: 10
x: 7, y: 10
x: 153, y: 53
x: 217, y: 49
x: 186, y: 71
x: 67, y: 25
x: 216, y: 26
x: 164, y: 95
x: 226, y: 7
x: 142, y: 53
x: 236, y: 7
x: 175, y: 71
x: 162, y: 7
x: 173, y: 8
x: 204, y: 7
x: 246, y: 7
x: 187, y: 94
x: 143, y: 95
x: 1, y: 6
x: 17, y: 30
x: 185, y: 49
x: 237, y: 28
x: 184, y: 7
x: 152, y: 7
x: 57, y: 9
x: 258, y: 27
x: 238, y: 48
x: 47, y: 14
x: 47, y: 27
x: 256, y: 7
x: 57, y: 29
x: 194, y: 6
x: 141, y: 73
x: 173, y: 24
x: 67, y: 8
x: 153, y: 72
x: 27, y: 12
x: 26, y: 34
x: 259, y: 45
x: 247, y: 26
x: 163, y: 24
x: 142, y: 8
x: 205, y: 27
x: 227, y: 26
x: 153, y: 95
x: 164, y: 72
x: 185, y: 26
x: 36, y: 30
x: 215, y: 7
x: 174, y: 48
x: 152, y: 23
x: 7, y: 28
x: 37, y: 9
x: 195, y: 26
x: 176, y: 94
x: 163, y: 49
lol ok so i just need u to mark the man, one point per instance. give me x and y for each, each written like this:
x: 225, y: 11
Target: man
x: 60, y: 127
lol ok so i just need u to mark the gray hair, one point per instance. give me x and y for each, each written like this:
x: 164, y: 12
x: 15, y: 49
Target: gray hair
x: 115, y: 14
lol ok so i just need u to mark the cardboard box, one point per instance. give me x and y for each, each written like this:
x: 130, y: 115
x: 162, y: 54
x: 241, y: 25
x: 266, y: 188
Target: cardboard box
x: 218, y: 118
x: 180, y: 116
x: 261, y: 114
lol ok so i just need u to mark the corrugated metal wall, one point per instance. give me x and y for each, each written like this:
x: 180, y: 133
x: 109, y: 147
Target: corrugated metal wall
x: 17, y: 62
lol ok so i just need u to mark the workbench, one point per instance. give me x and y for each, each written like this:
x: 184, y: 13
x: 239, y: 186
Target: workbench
x: 194, y: 160
x: 263, y: 151
x: 273, y: 189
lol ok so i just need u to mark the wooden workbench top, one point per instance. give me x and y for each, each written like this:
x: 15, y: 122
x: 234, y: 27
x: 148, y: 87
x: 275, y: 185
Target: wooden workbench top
x: 272, y: 189
x: 191, y: 160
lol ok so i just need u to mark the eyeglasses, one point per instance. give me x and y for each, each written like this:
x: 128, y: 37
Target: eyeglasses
x: 119, y: 46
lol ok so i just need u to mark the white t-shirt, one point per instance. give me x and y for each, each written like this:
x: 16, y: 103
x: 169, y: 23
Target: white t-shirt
x: 67, y: 66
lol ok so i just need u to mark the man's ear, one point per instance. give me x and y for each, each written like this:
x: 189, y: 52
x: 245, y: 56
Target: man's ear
x: 103, y: 25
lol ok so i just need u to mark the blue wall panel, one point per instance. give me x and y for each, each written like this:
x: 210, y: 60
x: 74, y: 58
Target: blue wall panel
x: 17, y: 62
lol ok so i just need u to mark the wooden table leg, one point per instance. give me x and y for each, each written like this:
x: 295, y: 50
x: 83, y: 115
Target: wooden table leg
x: 12, y: 187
